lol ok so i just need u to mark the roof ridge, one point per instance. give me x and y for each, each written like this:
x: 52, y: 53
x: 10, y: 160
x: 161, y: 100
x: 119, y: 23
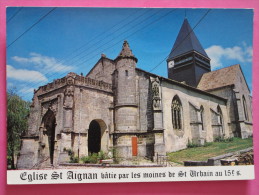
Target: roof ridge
x: 222, y: 68
x: 190, y: 31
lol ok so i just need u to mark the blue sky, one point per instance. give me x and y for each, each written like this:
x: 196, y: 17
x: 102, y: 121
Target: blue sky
x: 73, y: 39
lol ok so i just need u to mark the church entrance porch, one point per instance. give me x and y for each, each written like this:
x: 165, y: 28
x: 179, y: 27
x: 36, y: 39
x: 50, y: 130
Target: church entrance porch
x: 94, y: 137
x: 48, y: 138
x: 97, y: 137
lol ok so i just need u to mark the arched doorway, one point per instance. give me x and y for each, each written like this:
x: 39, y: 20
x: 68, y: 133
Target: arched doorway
x: 50, y: 124
x: 94, y: 137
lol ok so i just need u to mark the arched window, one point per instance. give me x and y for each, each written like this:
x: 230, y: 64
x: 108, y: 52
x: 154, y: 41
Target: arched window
x: 202, y: 114
x: 176, y: 113
x: 245, y: 108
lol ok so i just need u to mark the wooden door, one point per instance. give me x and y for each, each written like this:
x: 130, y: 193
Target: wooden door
x: 134, y: 141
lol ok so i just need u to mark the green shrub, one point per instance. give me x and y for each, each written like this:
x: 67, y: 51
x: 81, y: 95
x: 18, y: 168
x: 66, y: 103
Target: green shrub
x: 85, y: 159
x: 102, y: 155
x: 222, y: 139
x: 115, y: 155
x: 74, y: 159
x: 192, y: 145
x: 95, y: 157
x: 206, y: 144
x: 9, y: 162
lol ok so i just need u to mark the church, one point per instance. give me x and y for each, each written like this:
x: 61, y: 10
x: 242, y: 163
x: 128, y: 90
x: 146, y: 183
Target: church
x: 119, y: 107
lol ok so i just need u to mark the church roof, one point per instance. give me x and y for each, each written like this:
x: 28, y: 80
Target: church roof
x: 186, y: 41
x: 182, y: 85
x: 219, y: 78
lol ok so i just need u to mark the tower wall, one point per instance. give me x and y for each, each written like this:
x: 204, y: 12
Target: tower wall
x: 183, y: 74
x: 188, y: 68
x: 126, y: 110
x: 199, y: 71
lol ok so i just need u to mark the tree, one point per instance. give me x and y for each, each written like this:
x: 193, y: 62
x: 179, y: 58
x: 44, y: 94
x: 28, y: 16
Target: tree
x: 17, y: 114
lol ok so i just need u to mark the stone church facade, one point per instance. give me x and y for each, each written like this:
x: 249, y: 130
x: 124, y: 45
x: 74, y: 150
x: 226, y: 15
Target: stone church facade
x: 118, y: 106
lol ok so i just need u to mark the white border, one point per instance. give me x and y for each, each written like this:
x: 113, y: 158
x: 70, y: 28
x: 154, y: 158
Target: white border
x: 110, y: 175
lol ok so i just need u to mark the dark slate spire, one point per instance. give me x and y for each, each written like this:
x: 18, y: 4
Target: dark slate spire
x: 126, y: 52
x: 186, y: 41
x: 187, y: 61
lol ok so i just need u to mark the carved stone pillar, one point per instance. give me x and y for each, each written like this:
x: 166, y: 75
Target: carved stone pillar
x: 68, y: 105
x: 159, y: 146
x: 157, y: 104
x: 66, y: 134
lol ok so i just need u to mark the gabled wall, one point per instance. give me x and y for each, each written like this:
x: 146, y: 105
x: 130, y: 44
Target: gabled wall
x: 239, y: 124
x: 102, y: 70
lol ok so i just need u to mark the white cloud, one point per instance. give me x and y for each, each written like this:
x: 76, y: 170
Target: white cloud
x: 20, y: 59
x: 45, y: 63
x: 217, y: 53
x: 25, y: 75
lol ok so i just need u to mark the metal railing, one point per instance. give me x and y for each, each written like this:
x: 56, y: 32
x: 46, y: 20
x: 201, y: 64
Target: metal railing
x: 40, y: 162
x: 163, y: 160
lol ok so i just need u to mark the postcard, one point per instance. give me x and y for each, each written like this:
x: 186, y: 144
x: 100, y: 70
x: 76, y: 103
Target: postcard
x: 98, y: 95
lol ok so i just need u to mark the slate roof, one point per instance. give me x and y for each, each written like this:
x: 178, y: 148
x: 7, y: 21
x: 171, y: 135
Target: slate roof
x: 186, y: 41
x: 219, y: 78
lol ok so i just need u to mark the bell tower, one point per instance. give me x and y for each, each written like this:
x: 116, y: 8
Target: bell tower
x: 188, y: 60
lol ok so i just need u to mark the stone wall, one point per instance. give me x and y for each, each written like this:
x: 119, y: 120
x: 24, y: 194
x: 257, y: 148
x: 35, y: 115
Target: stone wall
x: 146, y: 116
x: 196, y: 125
x: 228, y: 93
x: 145, y: 145
x: 28, y: 154
x: 241, y: 125
x: 71, y: 103
x: 102, y: 70
x: 178, y: 139
x: 92, y: 105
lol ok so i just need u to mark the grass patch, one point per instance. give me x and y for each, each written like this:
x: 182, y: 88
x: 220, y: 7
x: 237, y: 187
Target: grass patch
x: 211, y: 150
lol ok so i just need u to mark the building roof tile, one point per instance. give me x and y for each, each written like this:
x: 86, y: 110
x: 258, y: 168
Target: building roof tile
x: 219, y: 78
